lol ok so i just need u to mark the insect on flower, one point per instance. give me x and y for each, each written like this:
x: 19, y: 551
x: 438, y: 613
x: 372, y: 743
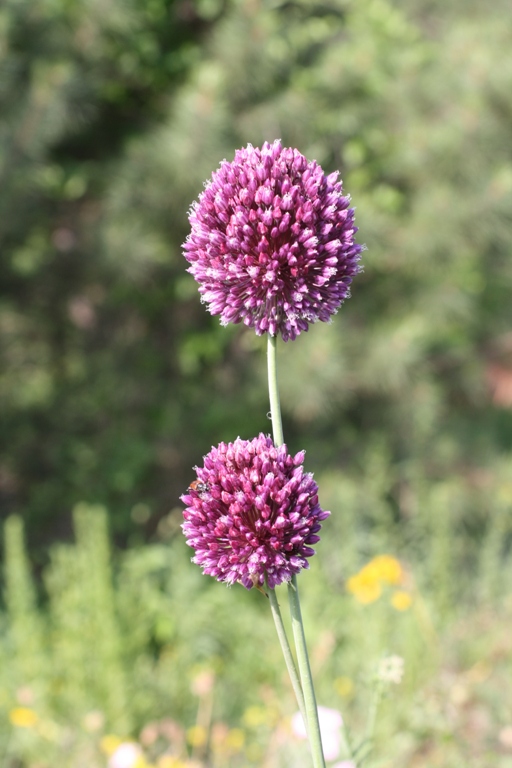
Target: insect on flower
x: 255, y: 582
x: 197, y: 485
x: 260, y: 517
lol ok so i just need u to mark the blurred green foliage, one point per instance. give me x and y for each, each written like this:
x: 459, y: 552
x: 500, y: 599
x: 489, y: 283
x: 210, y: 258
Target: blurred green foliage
x: 140, y: 646
x: 114, y: 381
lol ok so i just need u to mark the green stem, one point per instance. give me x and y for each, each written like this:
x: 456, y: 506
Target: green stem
x: 287, y: 651
x: 346, y: 742
x: 309, y: 711
x: 313, y: 726
x: 372, y: 715
x: 275, y: 406
x: 366, y: 747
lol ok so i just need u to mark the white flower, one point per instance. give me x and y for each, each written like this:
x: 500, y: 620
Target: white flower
x: 391, y: 669
x: 125, y: 756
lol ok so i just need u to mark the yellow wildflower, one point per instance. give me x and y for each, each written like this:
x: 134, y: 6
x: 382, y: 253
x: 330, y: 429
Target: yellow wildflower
x: 255, y: 716
x: 141, y: 762
x: 344, y: 686
x: 235, y: 739
x: 23, y: 717
x: 168, y: 761
x: 401, y: 600
x: 110, y: 743
x: 196, y: 736
x: 386, y: 568
x: 364, y: 586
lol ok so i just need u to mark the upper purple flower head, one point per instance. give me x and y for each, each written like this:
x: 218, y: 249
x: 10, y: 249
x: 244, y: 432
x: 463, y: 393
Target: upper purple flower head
x: 272, y: 241
x: 252, y: 513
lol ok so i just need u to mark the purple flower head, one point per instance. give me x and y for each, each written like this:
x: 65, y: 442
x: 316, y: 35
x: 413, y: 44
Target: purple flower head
x: 272, y: 242
x: 252, y: 512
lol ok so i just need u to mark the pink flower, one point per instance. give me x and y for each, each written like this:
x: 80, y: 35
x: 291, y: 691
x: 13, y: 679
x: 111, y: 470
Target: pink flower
x: 330, y: 731
x: 272, y: 242
x: 252, y: 513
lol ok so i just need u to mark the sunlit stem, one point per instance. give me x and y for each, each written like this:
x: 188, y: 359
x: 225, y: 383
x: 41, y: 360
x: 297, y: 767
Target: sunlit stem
x: 313, y: 726
x: 309, y: 710
x: 275, y: 405
x: 287, y: 651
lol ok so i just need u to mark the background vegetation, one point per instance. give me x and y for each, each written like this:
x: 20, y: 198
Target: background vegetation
x: 115, y: 381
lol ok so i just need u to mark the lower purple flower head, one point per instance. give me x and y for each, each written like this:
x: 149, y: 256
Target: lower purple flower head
x: 252, y: 513
x: 272, y: 241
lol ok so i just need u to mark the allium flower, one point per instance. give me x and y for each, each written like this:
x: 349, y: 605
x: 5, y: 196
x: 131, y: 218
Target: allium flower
x: 272, y: 241
x: 252, y: 512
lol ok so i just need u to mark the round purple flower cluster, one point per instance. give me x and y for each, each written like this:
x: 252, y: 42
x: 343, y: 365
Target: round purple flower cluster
x: 252, y: 513
x: 272, y: 242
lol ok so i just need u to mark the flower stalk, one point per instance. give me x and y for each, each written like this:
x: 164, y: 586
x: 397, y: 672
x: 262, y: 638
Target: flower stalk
x: 312, y: 723
x: 271, y: 246
x: 287, y: 651
x: 309, y: 709
x: 273, y: 391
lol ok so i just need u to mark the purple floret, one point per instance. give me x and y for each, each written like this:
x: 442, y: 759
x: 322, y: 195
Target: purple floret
x: 272, y: 242
x: 253, y: 514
